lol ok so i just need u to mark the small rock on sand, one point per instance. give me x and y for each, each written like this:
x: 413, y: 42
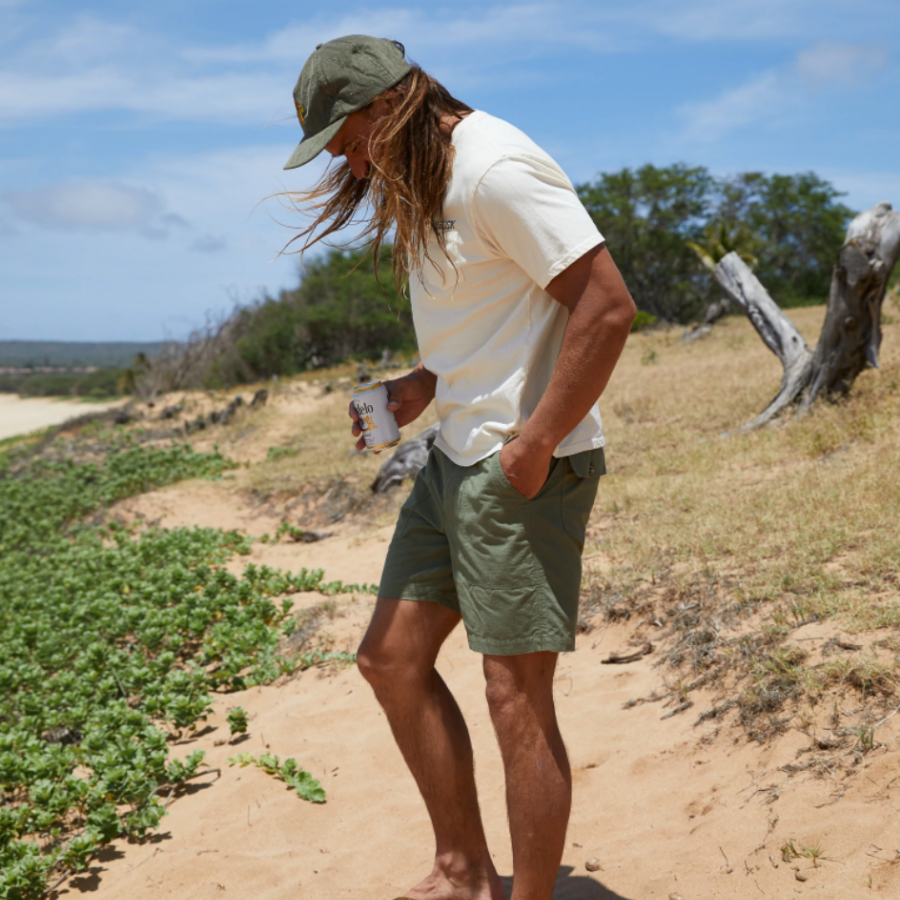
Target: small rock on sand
x: 593, y: 864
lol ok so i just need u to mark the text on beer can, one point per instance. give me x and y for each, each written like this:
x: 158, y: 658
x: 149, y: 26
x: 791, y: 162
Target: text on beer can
x: 377, y: 422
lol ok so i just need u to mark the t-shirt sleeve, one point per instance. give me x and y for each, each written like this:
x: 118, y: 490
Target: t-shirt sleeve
x: 526, y: 209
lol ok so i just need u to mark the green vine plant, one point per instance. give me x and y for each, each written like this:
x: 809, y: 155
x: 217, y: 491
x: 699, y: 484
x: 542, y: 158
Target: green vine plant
x: 237, y: 721
x: 113, y: 641
x: 307, y: 787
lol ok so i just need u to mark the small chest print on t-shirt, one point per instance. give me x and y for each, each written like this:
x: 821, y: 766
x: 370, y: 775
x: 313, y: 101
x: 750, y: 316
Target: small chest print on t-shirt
x: 441, y: 276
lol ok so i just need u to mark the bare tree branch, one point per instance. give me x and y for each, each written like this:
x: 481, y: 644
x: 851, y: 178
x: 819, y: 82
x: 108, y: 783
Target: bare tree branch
x: 779, y: 334
x: 851, y: 336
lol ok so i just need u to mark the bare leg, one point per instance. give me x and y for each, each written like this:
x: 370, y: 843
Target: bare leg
x: 397, y: 658
x: 538, y: 778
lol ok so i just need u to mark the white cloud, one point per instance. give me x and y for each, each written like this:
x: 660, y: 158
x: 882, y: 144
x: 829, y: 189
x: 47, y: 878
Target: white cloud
x: 69, y: 282
x: 424, y: 29
x: 229, y: 195
x: 229, y: 98
x: 88, y: 39
x: 778, y: 93
x: 89, y: 64
x: 91, y: 205
x: 734, y: 108
x: 865, y: 188
x: 705, y: 20
x: 12, y: 22
x: 752, y: 20
x: 841, y: 63
x: 174, y: 219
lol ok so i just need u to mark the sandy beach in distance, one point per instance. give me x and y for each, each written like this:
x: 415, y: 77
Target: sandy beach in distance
x: 20, y: 415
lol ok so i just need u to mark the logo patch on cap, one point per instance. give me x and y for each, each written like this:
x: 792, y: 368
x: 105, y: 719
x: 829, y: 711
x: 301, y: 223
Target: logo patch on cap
x: 301, y: 111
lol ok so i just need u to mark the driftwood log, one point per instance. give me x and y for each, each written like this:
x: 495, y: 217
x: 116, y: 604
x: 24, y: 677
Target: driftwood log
x: 851, y: 335
x: 405, y: 461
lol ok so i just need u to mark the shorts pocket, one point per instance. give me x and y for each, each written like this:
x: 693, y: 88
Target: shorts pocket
x: 505, y: 486
x: 580, y: 483
x: 499, y: 479
x: 493, y: 537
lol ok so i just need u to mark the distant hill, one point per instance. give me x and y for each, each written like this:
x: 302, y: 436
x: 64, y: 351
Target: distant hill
x: 112, y: 355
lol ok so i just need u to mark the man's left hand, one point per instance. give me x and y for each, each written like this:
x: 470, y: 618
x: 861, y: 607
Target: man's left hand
x: 525, y: 468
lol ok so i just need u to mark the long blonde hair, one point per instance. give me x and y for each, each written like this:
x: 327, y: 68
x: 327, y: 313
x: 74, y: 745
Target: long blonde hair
x: 412, y: 160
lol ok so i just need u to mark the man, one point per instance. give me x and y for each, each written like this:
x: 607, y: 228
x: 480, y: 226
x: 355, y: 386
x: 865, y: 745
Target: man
x: 520, y: 316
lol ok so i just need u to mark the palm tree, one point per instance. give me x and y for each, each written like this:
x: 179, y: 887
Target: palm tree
x: 720, y: 239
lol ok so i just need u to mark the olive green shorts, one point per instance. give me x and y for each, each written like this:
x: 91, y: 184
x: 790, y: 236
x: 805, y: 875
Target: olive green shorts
x: 467, y: 539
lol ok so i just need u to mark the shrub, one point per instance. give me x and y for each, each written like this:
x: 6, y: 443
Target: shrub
x: 643, y: 320
x: 339, y: 310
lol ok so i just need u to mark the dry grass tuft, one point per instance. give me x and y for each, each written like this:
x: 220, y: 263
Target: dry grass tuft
x: 862, y: 671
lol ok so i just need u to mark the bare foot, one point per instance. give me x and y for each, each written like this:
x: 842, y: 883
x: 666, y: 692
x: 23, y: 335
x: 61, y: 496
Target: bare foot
x: 469, y: 883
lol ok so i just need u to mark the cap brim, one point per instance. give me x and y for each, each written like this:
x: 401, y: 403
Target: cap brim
x: 309, y: 148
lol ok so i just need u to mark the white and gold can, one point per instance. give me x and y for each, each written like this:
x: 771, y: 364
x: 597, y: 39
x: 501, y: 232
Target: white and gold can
x: 379, y: 427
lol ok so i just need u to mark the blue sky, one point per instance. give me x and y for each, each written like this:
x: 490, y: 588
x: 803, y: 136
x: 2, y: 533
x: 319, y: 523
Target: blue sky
x: 139, y: 141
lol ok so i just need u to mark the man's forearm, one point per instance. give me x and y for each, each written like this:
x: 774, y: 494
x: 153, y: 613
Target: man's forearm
x: 599, y: 323
x: 588, y: 355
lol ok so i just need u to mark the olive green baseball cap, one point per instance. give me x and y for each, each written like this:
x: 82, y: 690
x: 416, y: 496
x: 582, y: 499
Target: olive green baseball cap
x: 339, y: 78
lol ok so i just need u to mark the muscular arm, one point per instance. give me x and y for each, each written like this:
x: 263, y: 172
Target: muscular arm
x: 600, y: 315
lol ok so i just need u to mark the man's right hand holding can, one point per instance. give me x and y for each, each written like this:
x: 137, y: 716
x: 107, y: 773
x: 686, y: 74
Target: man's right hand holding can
x: 409, y: 396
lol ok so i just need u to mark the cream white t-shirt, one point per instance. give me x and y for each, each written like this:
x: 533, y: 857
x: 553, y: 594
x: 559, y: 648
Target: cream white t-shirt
x: 485, y: 324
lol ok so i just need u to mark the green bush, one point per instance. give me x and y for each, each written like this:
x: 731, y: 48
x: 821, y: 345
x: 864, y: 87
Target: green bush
x: 647, y: 215
x: 237, y: 720
x: 643, y: 320
x: 339, y: 311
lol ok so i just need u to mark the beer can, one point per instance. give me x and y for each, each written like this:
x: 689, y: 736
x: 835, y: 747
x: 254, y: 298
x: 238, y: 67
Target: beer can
x: 379, y: 427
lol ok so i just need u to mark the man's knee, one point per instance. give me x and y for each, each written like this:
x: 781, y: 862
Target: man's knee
x: 383, y: 668
x: 372, y: 662
x: 403, y: 641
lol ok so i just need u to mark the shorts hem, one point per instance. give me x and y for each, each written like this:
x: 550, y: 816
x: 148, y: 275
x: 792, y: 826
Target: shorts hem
x: 521, y: 647
x: 418, y: 592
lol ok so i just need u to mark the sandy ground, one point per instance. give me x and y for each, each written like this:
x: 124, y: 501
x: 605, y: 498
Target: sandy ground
x: 23, y: 415
x: 666, y: 814
x: 670, y: 808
